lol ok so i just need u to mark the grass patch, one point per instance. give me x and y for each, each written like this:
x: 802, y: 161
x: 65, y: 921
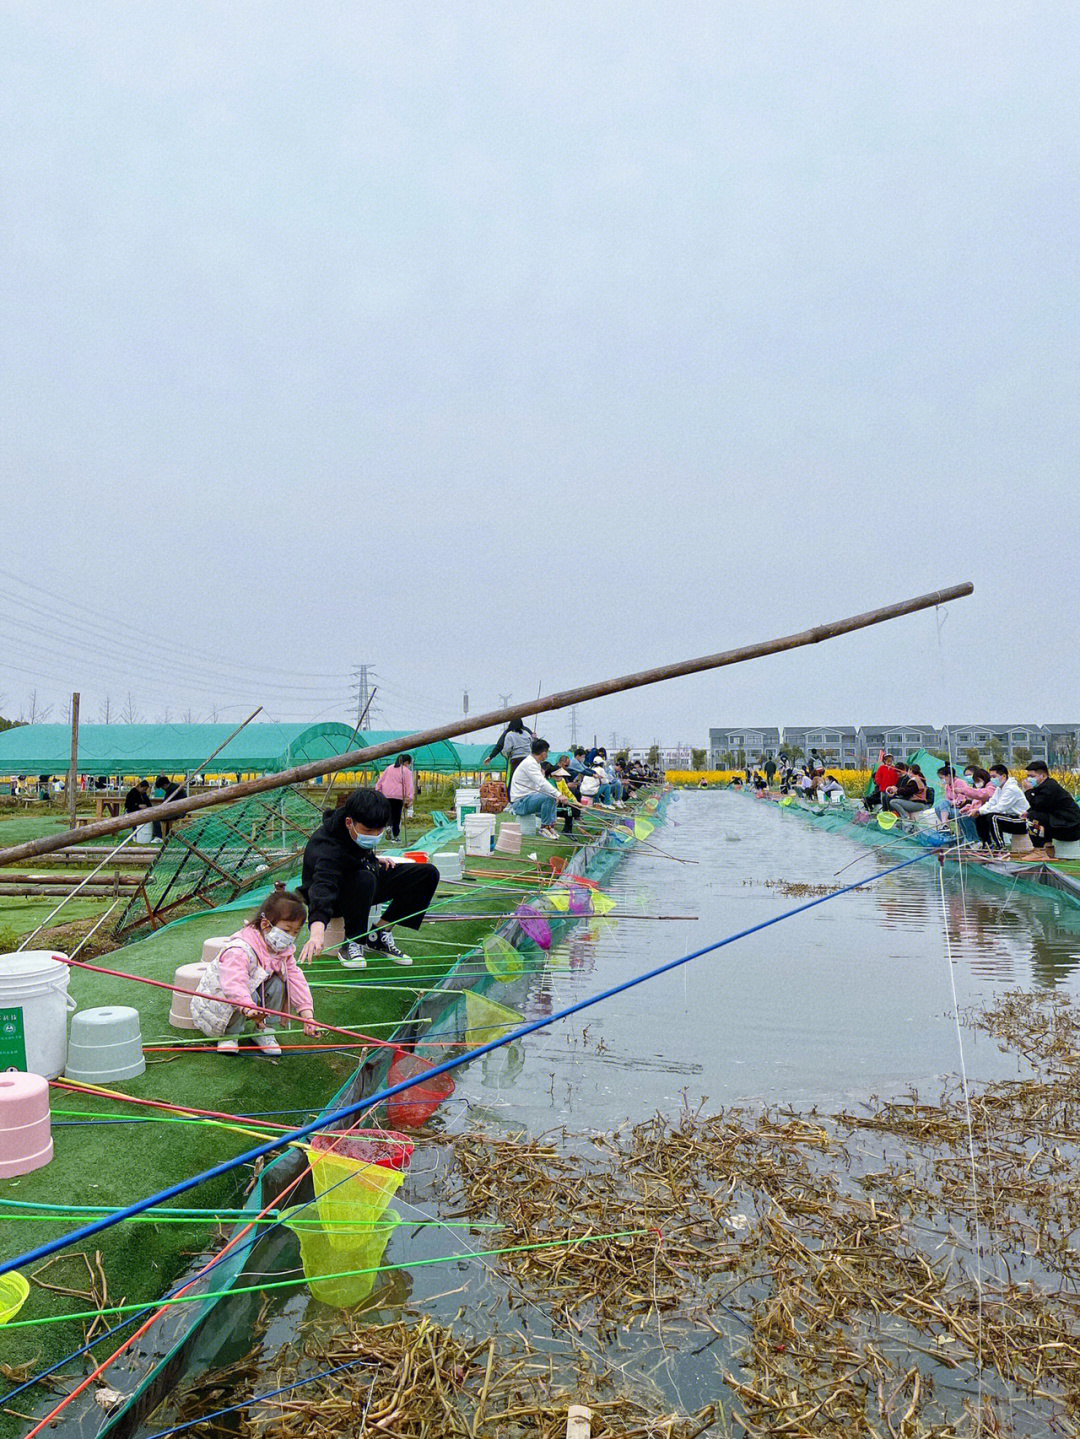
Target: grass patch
x: 114, y: 1164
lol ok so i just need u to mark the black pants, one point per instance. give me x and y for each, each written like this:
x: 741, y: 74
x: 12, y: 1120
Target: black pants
x: 408, y: 887
x: 991, y: 827
x: 396, y: 806
x: 1046, y: 831
x: 873, y: 799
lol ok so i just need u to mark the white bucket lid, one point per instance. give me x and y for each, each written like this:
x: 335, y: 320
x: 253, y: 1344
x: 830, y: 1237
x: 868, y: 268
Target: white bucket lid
x: 31, y: 964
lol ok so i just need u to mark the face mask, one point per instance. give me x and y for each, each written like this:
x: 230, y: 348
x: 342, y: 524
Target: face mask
x: 996, y: 781
x: 367, y: 841
x: 1034, y: 779
x: 278, y: 939
x: 969, y: 779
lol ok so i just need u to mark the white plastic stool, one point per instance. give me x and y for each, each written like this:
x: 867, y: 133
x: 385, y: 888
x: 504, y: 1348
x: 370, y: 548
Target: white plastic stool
x: 105, y: 1045
x: 1067, y: 848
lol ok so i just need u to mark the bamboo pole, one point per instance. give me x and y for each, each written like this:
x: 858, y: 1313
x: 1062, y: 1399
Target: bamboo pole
x: 355, y: 759
x: 73, y: 768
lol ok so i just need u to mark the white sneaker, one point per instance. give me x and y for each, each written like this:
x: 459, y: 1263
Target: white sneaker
x: 266, y: 1042
x: 619, y: 804
x: 353, y: 958
x: 549, y: 831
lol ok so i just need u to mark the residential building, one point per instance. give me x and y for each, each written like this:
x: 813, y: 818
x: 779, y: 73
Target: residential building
x: 834, y: 743
x: 848, y: 748
x: 994, y: 740
x: 675, y: 756
x: 898, y: 740
x: 1063, y: 744
x: 744, y: 744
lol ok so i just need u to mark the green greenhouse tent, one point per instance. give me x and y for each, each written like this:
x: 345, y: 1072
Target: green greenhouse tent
x: 179, y: 749
x: 172, y: 749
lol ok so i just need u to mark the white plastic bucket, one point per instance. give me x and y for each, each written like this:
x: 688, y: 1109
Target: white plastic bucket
x: 144, y: 834
x: 466, y: 802
x: 529, y: 824
x: 479, y: 833
x: 34, y: 1008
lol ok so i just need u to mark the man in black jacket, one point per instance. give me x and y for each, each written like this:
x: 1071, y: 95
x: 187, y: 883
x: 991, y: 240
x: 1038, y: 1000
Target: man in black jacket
x: 1052, y: 811
x: 342, y: 875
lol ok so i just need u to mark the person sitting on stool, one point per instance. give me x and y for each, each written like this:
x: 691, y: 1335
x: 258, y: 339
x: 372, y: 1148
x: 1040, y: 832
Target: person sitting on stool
x: 1052, y: 811
x: 1003, y: 813
x: 342, y: 875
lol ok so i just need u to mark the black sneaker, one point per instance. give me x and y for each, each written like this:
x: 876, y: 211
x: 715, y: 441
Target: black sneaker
x: 352, y: 956
x: 383, y: 942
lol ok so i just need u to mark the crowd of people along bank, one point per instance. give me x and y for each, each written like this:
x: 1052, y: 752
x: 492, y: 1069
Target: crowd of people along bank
x: 259, y: 972
x: 981, y: 807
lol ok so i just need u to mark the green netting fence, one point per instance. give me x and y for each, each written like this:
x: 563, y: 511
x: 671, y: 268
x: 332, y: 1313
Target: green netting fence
x: 211, y: 859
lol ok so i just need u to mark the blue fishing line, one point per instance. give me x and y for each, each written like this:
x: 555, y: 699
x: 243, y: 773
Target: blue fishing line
x: 98, y: 1226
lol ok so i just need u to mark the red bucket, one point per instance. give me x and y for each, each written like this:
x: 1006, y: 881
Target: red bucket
x: 418, y: 856
x: 412, y: 1108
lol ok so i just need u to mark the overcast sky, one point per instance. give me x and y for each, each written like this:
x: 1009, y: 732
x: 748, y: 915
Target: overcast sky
x: 506, y: 345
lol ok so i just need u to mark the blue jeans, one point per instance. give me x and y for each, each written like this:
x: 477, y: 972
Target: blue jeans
x: 603, y: 794
x: 541, y: 804
x: 616, y: 789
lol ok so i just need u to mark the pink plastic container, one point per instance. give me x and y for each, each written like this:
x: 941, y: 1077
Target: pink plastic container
x: 25, y: 1134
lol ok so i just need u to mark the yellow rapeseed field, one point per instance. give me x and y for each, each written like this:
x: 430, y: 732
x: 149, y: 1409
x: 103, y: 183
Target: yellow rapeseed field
x: 854, y: 781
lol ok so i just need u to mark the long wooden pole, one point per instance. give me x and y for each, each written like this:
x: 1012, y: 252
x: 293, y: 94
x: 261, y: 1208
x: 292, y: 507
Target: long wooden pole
x: 356, y: 759
x: 73, y: 768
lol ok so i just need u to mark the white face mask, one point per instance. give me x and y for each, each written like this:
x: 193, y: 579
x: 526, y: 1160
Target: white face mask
x: 279, y: 940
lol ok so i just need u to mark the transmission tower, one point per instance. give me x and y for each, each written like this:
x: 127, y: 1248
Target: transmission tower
x: 573, y: 726
x: 504, y: 701
x: 363, y: 676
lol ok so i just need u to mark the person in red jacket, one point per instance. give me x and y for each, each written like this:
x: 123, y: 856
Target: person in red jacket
x: 885, y: 777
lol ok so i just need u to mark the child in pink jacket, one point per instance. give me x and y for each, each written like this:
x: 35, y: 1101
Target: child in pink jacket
x: 396, y: 785
x: 256, y: 970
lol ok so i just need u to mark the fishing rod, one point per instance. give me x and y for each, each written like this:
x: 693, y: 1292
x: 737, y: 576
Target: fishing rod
x: 350, y: 1034
x: 366, y: 1105
x: 580, y: 694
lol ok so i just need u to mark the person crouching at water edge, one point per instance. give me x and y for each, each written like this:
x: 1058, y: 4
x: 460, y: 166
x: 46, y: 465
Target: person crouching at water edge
x: 256, y: 970
x: 342, y: 875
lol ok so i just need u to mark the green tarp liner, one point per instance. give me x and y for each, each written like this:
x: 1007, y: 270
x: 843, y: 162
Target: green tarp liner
x: 931, y: 768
